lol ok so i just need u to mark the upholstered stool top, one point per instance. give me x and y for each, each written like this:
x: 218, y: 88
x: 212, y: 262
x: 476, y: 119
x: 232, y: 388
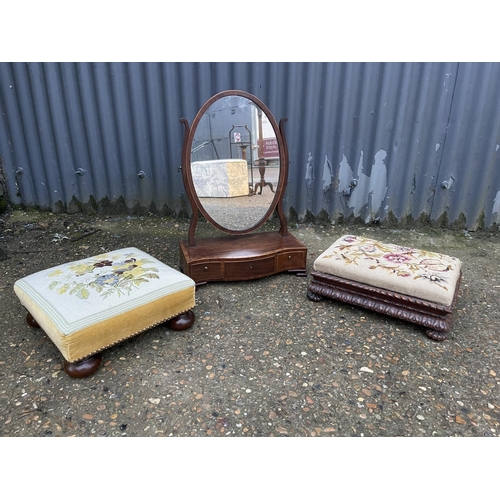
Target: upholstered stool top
x: 90, y: 304
x: 418, y: 273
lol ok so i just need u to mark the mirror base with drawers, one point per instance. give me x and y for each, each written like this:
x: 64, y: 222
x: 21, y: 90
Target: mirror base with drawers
x: 242, y: 257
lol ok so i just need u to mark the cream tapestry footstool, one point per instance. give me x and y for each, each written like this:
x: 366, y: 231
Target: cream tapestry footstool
x: 413, y: 285
x: 91, y: 304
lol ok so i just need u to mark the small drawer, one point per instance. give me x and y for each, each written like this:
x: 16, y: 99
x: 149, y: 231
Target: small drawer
x: 250, y: 268
x: 291, y: 260
x: 206, y: 271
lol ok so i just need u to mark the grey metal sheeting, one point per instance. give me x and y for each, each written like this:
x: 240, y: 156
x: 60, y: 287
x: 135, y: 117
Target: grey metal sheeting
x: 368, y: 141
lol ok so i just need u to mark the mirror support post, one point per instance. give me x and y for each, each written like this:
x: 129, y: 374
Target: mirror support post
x: 187, y: 183
x: 284, y: 172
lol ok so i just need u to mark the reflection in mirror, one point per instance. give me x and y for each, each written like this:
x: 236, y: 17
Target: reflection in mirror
x: 235, y: 163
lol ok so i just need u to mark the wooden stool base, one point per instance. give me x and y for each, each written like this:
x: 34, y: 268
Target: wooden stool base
x: 434, y: 317
x: 88, y: 366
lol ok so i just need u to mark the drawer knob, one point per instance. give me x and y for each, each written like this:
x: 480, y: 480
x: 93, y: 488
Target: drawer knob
x: 251, y: 266
x: 289, y: 256
x: 206, y: 268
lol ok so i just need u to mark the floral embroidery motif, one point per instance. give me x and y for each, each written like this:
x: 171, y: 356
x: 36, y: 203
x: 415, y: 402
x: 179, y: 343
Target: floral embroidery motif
x: 398, y: 258
x: 400, y: 261
x: 104, y: 275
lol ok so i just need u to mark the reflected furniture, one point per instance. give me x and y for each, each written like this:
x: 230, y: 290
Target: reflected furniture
x: 261, y: 162
x: 413, y: 285
x: 244, y: 253
x: 241, y: 146
x: 89, y: 305
x: 220, y: 178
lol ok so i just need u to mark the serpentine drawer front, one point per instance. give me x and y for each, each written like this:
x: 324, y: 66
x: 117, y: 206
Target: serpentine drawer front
x: 291, y: 260
x: 206, y: 271
x: 250, y: 268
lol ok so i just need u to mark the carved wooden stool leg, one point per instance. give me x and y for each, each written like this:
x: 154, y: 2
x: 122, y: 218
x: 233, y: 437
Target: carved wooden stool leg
x: 435, y: 335
x: 181, y: 322
x: 314, y: 296
x: 32, y: 321
x: 83, y: 368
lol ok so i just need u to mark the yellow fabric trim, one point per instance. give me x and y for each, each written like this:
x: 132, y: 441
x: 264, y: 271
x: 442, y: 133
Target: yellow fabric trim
x: 95, y: 338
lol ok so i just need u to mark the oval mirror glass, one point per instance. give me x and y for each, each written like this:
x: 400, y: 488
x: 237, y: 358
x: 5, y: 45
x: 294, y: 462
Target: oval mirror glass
x: 235, y: 163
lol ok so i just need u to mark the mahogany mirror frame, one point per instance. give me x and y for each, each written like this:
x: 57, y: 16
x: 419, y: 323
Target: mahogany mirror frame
x: 194, y: 200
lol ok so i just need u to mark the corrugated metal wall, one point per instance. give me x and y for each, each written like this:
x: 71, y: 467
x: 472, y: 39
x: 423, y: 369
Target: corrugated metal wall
x: 368, y: 141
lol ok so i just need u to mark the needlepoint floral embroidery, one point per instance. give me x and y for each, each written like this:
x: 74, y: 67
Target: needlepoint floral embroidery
x: 103, y: 275
x: 400, y: 261
x: 430, y: 276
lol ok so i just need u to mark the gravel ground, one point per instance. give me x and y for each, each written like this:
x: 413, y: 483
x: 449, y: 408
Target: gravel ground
x: 261, y: 359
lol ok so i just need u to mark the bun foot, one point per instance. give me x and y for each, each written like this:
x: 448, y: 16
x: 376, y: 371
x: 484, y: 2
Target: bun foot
x: 181, y: 322
x: 435, y: 335
x: 83, y: 368
x: 32, y: 321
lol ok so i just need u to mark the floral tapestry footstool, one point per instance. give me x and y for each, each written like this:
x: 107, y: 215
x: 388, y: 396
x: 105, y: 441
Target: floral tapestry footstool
x: 410, y: 284
x: 91, y: 304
